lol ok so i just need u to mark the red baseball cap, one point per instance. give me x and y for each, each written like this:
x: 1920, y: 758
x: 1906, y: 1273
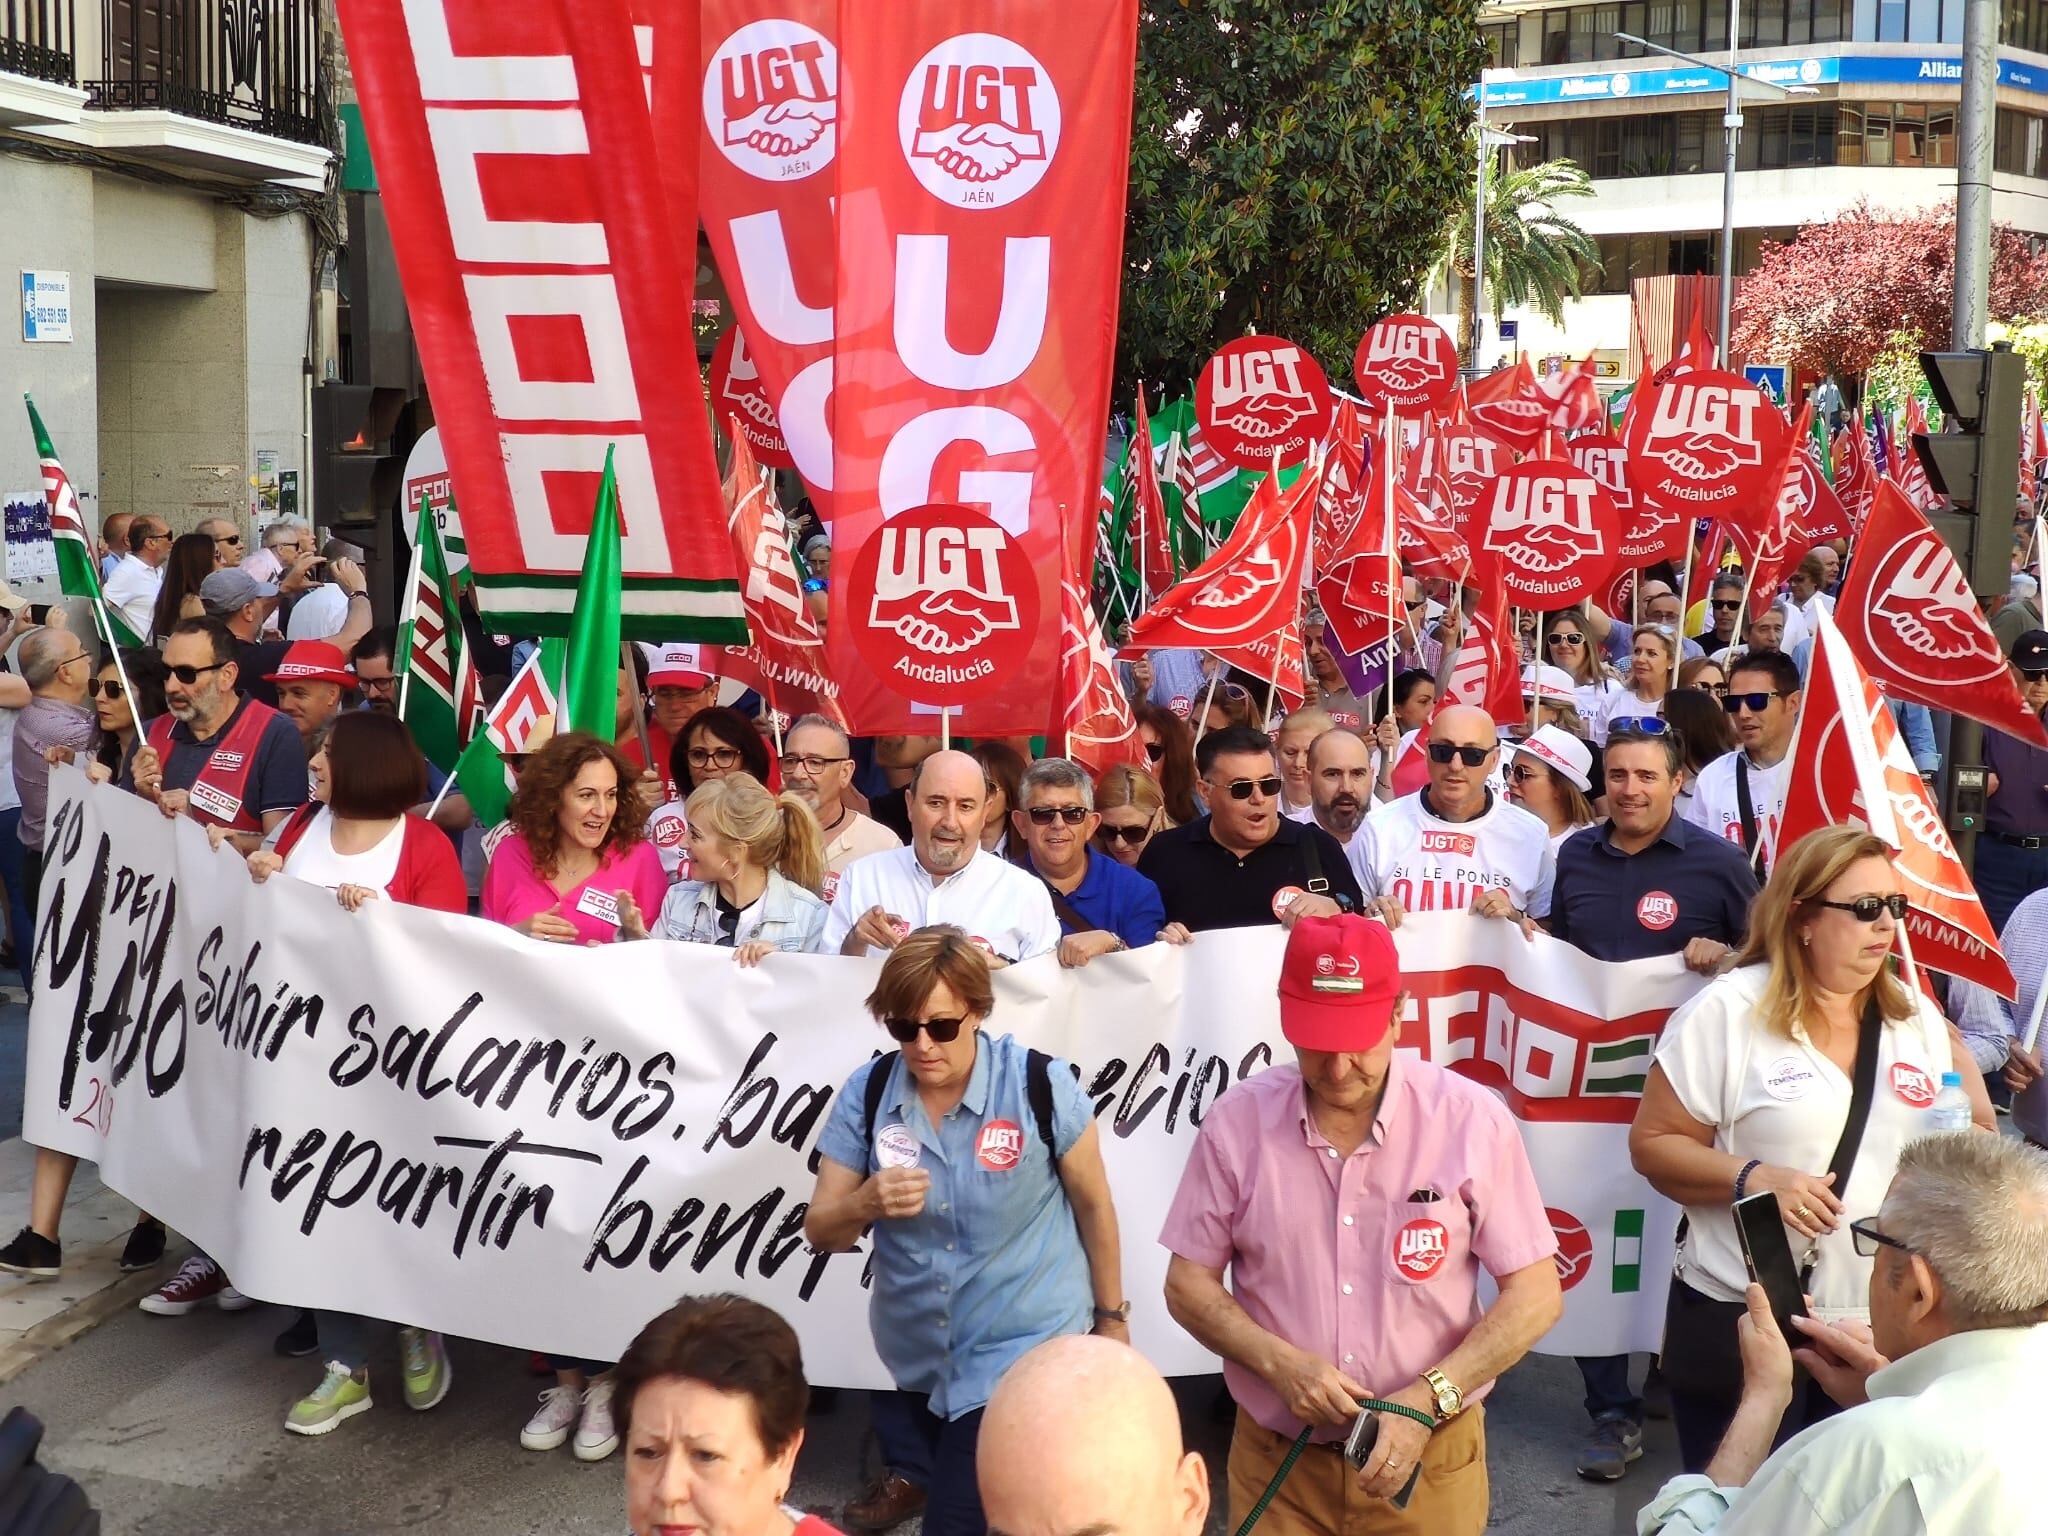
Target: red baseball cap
x: 313, y: 661
x: 1338, y: 983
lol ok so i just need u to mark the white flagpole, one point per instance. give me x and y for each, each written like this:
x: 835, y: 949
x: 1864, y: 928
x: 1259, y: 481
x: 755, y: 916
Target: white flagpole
x: 2034, y: 1021
x: 409, y: 621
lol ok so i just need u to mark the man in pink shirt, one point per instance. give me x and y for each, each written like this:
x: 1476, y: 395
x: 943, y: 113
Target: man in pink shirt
x: 1354, y: 1199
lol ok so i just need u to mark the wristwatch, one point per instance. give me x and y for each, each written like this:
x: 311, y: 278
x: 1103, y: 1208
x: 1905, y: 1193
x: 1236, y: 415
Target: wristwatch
x: 1450, y: 1400
x: 1117, y: 1314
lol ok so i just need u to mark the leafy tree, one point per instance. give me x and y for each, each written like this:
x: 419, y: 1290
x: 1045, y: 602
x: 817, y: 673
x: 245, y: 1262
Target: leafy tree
x: 1536, y: 257
x: 1835, y: 297
x: 1293, y: 164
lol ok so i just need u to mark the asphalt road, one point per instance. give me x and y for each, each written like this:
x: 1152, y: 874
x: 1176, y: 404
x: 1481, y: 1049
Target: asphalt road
x: 174, y: 1427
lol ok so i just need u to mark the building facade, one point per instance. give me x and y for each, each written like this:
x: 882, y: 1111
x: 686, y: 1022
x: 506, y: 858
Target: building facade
x: 165, y: 171
x: 1875, y: 120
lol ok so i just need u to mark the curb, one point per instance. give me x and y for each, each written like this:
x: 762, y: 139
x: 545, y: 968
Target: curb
x: 53, y: 1333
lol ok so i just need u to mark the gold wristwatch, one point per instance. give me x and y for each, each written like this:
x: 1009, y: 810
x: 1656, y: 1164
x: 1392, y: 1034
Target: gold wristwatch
x: 1450, y: 1400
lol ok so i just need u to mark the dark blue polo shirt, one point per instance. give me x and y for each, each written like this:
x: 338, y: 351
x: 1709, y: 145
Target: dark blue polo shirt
x: 1114, y: 898
x: 1686, y: 885
x: 1206, y: 886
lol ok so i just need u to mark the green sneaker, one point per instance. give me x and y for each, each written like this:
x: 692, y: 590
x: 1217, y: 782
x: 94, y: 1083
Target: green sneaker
x: 342, y: 1394
x: 427, y: 1371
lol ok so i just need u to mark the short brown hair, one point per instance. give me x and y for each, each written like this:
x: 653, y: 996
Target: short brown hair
x: 374, y: 768
x: 927, y: 957
x: 546, y: 779
x: 730, y: 1344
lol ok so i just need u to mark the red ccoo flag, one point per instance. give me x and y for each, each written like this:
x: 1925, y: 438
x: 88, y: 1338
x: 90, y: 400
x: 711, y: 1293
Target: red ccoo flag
x: 1916, y: 627
x: 1849, y: 766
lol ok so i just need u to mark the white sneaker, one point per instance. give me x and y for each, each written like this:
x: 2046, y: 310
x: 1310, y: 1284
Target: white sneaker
x: 596, y: 1436
x: 232, y: 1300
x: 550, y: 1426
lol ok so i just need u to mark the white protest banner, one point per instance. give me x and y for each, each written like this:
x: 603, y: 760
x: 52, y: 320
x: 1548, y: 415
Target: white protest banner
x: 434, y: 1120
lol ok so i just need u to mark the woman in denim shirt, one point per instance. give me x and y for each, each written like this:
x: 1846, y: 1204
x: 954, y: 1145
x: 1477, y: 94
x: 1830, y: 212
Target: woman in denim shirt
x: 761, y: 863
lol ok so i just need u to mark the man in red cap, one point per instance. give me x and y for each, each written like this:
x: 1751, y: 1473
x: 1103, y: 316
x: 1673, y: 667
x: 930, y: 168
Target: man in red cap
x: 678, y: 686
x: 311, y: 678
x: 1354, y: 1198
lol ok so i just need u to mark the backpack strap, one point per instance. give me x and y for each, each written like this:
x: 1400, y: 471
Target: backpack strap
x: 1038, y: 1093
x: 876, y: 1086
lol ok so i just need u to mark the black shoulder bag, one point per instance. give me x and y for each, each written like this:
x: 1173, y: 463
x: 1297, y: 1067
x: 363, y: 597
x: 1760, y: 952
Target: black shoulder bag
x: 1745, y: 807
x: 1862, y: 1084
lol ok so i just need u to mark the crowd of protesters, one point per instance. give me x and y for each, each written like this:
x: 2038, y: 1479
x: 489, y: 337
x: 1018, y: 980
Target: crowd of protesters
x: 1632, y: 813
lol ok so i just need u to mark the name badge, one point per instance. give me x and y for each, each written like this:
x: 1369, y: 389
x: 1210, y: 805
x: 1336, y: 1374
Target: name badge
x: 597, y: 904
x: 217, y: 803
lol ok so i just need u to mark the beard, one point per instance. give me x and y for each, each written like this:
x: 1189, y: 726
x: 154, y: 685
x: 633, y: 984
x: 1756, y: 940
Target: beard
x: 1343, y: 814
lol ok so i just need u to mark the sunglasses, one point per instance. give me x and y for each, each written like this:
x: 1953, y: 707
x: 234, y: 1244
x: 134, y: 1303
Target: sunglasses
x: 111, y: 688
x: 1044, y: 815
x: 1471, y: 757
x: 1523, y: 773
x: 1241, y: 789
x: 1718, y: 690
x: 227, y: 538
x: 1727, y: 605
x: 1867, y: 909
x: 1640, y: 725
x: 2029, y: 675
x: 1154, y: 750
x: 1418, y: 603
x: 1564, y: 638
x: 1131, y: 835
x: 1755, y: 703
x: 942, y: 1031
x: 190, y: 675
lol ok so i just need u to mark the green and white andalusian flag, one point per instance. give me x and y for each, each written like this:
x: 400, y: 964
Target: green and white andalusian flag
x: 437, y: 687
x: 78, y: 571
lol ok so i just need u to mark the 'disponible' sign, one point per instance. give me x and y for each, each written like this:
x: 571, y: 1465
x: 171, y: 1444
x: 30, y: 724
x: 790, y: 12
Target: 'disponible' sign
x: 45, y: 306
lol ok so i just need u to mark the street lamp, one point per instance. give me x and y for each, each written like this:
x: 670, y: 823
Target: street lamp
x: 1489, y: 139
x: 1731, y: 126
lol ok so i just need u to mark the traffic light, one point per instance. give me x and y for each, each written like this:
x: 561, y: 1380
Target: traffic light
x: 356, y: 476
x: 1976, y: 463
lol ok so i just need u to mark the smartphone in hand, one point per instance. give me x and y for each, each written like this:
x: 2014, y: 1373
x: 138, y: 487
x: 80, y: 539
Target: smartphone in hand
x: 1365, y: 1433
x: 1767, y: 1251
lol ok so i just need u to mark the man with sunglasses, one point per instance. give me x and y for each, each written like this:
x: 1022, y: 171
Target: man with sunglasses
x: 1455, y: 845
x: 1724, y: 607
x: 1102, y: 906
x: 2012, y: 855
x: 817, y: 764
x: 1740, y: 795
x: 1941, y: 1433
x: 131, y: 591
x: 944, y: 876
x: 227, y: 541
x: 1244, y: 865
x: 216, y: 756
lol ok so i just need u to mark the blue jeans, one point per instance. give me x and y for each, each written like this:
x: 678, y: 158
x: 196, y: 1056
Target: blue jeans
x: 936, y: 1452
x: 2007, y: 876
x: 1607, y: 1392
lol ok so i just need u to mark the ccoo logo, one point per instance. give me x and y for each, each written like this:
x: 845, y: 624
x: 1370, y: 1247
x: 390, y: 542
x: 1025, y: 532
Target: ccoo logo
x: 979, y: 121
x: 771, y: 100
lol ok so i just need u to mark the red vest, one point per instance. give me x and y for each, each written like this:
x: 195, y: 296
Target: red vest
x: 219, y: 794
x: 294, y: 828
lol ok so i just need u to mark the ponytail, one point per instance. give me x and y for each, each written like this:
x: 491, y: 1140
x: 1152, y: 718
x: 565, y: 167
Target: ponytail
x: 803, y: 844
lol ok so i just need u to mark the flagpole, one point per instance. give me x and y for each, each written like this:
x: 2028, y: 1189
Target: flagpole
x: 410, y: 620
x: 1911, y: 966
x: 632, y: 674
x: 1748, y: 579
x: 946, y: 728
x: 1208, y: 698
x: 106, y: 627
x: 2034, y: 1021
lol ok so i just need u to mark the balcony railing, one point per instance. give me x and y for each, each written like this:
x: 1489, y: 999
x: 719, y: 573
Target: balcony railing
x: 247, y: 63
x: 39, y: 38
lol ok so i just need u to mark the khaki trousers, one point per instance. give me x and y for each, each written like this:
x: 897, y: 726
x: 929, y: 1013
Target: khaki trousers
x: 1321, y: 1496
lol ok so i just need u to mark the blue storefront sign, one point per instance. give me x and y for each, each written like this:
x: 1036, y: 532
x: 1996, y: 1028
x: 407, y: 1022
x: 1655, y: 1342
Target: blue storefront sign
x: 1828, y: 69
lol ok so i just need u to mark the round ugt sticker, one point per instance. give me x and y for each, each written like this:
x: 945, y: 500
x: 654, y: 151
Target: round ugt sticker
x: 1284, y: 898
x: 1420, y: 1248
x: 896, y: 1147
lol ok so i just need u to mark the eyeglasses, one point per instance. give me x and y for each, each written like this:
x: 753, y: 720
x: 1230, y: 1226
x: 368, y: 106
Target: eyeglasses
x: 1868, y: 1239
x: 375, y: 684
x: 810, y: 762
x: 1563, y: 637
x: 1718, y: 690
x: 1726, y: 605
x: 111, y: 688
x: 942, y: 1031
x: 1868, y: 909
x: 1154, y: 750
x: 1072, y: 815
x: 1523, y: 773
x: 1471, y: 757
x: 714, y: 757
x: 1131, y: 835
x: 68, y: 660
x: 1641, y: 725
x: 190, y: 675
x: 1755, y: 703
x: 156, y: 538
x: 227, y: 538
x: 1241, y: 789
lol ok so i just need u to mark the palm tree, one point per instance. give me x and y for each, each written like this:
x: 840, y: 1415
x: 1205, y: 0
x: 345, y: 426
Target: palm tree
x: 1535, y: 256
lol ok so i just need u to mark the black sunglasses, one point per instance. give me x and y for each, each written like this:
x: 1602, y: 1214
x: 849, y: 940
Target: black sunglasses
x: 190, y: 675
x: 1868, y: 1239
x: 1726, y: 604
x: 2029, y: 675
x: 1155, y: 750
x: 942, y: 1031
x: 1445, y: 751
x: 1131, y: 835
x: 1072, y: 815
x: 1641, y: 725
x: 1563, y: 637
x: 1241, y: 789
x: 1867, y: 909
x: 1755, y: 703
x: 111, y: 688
